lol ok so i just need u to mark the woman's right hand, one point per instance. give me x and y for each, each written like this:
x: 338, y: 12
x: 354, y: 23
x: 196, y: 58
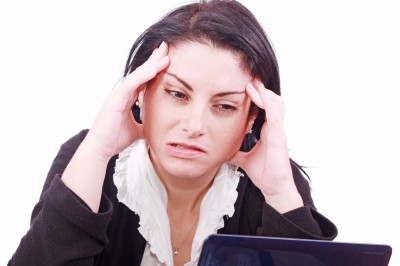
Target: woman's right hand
x: 115, y: 128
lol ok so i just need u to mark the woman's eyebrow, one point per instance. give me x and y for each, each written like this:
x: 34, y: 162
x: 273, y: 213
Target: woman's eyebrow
x: 220, y: 94
x: 180, y: 80
x: 225, y: 93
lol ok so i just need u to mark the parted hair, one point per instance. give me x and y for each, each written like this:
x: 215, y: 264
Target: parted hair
x: 225, y: 24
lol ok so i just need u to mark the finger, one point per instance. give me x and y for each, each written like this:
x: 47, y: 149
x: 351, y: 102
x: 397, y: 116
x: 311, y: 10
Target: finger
x: 155, y: 63
x: 265, y: 96
x: 267, y: 100
x: 273, y: 105
x: 158, y: 53
x: 159, y: 61
x: 146, y: 72
x: 255, y: 89
x: 263, y: 90
x: 254, y: 95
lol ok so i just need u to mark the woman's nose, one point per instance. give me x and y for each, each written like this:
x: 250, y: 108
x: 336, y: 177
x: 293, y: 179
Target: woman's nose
x: 195, y: 123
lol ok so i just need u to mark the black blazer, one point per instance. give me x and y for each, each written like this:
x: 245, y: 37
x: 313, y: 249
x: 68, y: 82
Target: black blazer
x: 64, y: 231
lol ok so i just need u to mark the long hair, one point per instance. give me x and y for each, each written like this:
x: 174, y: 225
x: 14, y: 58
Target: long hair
x: 226, y: 24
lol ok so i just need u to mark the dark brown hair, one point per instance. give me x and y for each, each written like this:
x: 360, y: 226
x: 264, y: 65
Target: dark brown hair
x: 226, y: 24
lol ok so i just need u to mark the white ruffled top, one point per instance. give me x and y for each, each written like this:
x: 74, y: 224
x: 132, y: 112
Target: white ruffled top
x: 141, y: 190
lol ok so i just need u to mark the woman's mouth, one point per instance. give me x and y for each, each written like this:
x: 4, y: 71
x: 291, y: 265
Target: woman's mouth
x: 183, y: 150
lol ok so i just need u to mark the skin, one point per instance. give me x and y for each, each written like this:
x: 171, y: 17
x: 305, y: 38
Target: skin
x: 200, y: 126
x: 203, y: 121
x: 192, y: 126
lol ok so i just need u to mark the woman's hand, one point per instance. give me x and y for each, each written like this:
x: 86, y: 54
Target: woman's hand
x: 113, y: 130
x: 268, y: 164
x: 115, y: 127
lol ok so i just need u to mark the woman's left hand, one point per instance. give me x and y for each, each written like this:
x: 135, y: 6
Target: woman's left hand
x: 268, y: 163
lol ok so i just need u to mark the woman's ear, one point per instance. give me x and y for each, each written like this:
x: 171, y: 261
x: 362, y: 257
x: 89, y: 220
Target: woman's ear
x: 252, y: 117
x: 140, y: 103
x: 141, y: 97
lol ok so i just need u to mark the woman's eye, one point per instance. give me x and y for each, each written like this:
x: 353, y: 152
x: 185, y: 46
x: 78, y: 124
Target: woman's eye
x: 177, y: 95
x: 226, y: 108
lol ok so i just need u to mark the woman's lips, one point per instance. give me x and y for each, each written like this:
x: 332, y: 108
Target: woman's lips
x: 182, y: 150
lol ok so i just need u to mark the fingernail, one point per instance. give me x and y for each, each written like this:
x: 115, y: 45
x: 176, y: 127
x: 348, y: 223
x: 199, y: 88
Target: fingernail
x: 260, y: 83
x: 251, y: 86
x: 162, y: 45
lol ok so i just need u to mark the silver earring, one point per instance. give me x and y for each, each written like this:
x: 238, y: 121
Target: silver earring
x: 250, y: 131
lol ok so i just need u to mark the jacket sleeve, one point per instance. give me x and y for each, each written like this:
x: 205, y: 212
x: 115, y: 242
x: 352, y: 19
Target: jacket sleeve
x: 305, y: 222
x: 63, y: 230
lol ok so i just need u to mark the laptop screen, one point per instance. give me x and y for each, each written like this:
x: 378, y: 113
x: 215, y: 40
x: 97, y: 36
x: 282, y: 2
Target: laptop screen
x: 268, y: 251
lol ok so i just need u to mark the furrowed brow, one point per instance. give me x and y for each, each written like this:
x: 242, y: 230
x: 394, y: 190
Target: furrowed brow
x: 225, y: 93
x: 220, y: 94
x: 180, y: 80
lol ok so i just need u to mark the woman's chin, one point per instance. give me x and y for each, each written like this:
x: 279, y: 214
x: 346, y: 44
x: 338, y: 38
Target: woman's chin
x: 187, y: 171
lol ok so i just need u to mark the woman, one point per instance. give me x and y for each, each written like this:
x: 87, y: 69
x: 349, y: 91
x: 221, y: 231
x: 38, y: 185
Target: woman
x: 147, y: 189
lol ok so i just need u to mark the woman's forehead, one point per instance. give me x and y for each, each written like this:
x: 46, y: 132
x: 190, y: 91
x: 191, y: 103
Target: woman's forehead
x: 204, y: 64
x: 193, y: 44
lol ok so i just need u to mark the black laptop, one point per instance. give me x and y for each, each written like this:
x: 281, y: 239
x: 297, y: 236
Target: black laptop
x: 268, y: 251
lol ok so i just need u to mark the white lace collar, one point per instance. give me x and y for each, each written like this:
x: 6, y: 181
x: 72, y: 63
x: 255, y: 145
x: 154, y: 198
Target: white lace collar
x: 140, y: 189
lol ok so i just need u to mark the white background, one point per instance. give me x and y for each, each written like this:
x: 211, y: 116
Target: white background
x: 339, y: 64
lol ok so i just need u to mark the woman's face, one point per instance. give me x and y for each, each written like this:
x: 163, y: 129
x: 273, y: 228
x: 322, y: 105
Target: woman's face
x: 196, y: 112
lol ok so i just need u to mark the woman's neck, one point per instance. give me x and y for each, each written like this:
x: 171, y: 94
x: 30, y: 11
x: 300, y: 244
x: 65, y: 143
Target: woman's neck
x: 186, y: 198
x: 184, y: 193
